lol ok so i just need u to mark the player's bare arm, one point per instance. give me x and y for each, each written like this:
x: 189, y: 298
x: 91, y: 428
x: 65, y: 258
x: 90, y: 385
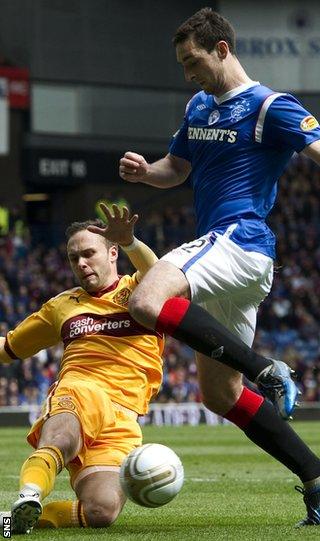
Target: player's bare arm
x: 165, y: 173
x: 120, y: 230
x: 4, y: 357
x: 313, y: 151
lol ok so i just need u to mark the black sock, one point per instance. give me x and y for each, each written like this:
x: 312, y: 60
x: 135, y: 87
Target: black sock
x: 194, y: 326
x: 267, y: 430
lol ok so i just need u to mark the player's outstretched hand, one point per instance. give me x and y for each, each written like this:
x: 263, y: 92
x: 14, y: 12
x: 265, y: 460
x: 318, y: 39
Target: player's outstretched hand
x: 133, y: 167
x: 119, y: 225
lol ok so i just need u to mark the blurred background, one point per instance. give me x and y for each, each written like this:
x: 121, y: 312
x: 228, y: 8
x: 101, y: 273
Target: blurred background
x: 81, y: 82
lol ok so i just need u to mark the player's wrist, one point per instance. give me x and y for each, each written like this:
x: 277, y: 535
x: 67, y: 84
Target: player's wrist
x: 130, y: 247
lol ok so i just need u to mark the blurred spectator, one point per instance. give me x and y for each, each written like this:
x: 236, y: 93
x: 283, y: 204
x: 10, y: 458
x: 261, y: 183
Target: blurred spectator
x: 4, y: 219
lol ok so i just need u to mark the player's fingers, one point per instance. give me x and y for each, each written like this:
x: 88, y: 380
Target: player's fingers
x: 134, y: 156
x: 129, y: 164
x: 97, y: 230
x: 134, y: 219
x: 125, y: 213
x: 116, y: 211
x: 128, y: 174
x: 129, y: 177
x: 106, y: 211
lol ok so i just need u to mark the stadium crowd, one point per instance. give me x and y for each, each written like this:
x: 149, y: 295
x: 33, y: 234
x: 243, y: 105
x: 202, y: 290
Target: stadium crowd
x: 289, y: 318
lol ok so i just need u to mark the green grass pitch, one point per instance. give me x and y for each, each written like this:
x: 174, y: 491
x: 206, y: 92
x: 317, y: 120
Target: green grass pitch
x: 232, y: 490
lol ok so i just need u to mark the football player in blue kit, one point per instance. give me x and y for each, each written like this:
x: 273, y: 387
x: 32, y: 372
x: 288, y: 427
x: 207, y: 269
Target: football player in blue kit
x: 235, y: 141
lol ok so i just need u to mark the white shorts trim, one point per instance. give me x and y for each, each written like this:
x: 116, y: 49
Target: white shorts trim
x: 93, y: 469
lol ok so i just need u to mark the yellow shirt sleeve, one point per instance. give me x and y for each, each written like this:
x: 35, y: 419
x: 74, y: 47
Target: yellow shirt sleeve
x: 141, y: 257
x: 36, y: 332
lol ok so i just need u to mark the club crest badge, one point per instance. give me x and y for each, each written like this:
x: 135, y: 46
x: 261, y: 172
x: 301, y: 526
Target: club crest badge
x: 65, y: 402
x: 239, y: 109
x: 213, y: 117
x: 122, y: 297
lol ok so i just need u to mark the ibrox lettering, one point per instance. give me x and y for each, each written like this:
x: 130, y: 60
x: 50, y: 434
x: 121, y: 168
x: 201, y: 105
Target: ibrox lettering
x: 88, y: 325
x: 212, y: 134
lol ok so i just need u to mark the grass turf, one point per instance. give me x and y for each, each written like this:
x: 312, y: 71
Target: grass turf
x: 232, y: 490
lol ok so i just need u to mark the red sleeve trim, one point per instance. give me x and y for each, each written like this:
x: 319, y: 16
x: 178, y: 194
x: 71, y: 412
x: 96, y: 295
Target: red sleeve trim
x: 9, y: 351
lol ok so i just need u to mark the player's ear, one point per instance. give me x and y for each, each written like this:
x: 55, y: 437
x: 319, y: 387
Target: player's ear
x: 113, y: 252
x: 222, y: 49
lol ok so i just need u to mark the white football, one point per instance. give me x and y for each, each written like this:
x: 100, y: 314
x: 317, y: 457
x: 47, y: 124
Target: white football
x: 151, y: 475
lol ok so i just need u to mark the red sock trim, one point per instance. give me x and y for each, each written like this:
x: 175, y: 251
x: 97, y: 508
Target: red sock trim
x: 245, y: 409
x: 171, y: 315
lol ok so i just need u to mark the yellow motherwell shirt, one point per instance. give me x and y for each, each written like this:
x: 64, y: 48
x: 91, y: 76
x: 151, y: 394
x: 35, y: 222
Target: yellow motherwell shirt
x: 102, y: 342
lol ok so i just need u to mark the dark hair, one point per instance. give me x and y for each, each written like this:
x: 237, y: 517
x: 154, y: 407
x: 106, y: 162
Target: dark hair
x: 75, y: 227
x: 207, y: 27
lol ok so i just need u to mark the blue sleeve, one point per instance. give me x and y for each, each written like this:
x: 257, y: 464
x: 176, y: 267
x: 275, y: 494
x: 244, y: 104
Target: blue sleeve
x: 289, y: 124
x: 179, y: 142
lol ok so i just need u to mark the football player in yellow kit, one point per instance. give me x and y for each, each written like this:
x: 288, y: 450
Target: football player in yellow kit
x: 110, y: 369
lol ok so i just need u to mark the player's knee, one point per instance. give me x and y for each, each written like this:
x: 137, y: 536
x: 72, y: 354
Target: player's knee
x: 99, y: 515
x: 141, y: 309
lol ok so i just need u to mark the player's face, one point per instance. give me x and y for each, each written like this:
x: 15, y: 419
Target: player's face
x: 93, y: 263
x: 205, y: 69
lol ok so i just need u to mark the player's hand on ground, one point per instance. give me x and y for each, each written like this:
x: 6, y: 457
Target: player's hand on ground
x: 119, y: 225
x: 133, y: 167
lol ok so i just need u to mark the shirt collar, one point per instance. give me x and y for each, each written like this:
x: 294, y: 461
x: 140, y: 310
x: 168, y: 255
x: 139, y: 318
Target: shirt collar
x: 106, y: 289
x: 235, y: 91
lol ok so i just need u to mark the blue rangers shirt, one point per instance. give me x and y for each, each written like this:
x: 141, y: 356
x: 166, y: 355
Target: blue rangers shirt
x: 238, y: 146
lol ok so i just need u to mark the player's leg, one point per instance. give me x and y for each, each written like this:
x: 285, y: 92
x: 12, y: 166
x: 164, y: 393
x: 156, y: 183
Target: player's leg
x: 221, y: 386
x: 156, y: 304
x: 64, y: 432
x: 263, y: 426
x: 57, y: 438
x: 95, y: 478
x: 257, y: 418
x: 250, y: 411
x: 59, y: 442
x: 205, y: 268
x: 100, y: 500
x: 97, y: 483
